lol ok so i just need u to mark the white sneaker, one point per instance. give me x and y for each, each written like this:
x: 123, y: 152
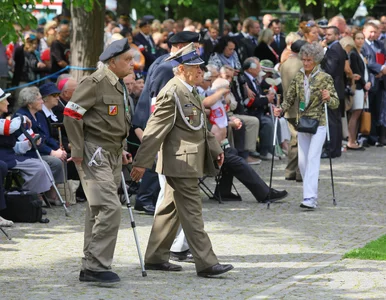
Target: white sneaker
x: 309, y: 203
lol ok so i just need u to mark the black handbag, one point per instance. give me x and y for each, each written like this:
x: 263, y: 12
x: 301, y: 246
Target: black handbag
x: 307, y: 125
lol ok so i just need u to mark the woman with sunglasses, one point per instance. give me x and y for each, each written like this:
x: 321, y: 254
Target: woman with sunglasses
x: 310, y: 31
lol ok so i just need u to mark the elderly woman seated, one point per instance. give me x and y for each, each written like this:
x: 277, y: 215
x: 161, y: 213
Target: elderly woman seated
x: 11, y: 149
x: 31, y: 103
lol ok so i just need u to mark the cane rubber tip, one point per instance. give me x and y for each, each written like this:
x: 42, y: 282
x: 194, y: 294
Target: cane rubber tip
x: 144, y: 274
x: 67, y: 214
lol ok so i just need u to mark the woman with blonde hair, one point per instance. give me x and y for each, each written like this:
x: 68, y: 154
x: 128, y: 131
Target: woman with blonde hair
x: 263, y: 49
x: 291, y: 38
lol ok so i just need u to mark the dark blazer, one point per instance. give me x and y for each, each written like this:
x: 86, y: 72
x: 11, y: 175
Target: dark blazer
x: 279, y: 48
x: 358, y: 67
x: 262, y: 51
x: 260, y: 104
x: 245, y: 47
x: 373, y: 66
x: 333, y: 63
x: 139, y: 39
x: 208, y: 49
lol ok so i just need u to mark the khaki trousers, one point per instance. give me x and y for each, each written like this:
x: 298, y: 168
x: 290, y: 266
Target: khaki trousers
x: 292, y: 169
x: 181, y: 205
x: 103, y: 213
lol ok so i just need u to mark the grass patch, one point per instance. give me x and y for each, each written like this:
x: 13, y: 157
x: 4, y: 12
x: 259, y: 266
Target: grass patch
x: 375, y: 250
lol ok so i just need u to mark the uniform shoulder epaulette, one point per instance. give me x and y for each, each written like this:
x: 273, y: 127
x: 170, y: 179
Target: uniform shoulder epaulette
x: 98, y: 76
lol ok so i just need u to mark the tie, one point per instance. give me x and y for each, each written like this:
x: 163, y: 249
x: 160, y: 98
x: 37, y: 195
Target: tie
x: 254, y: 41
x: 195, y: 93
x: 278, y: 40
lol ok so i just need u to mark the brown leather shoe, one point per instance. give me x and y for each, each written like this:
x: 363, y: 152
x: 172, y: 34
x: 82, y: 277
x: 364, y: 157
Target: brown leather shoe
x: 166, y: 266
x: 217, y: 269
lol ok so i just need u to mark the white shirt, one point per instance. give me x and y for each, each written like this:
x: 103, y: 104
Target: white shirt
x: 188, y: 86
x: 49, y: 113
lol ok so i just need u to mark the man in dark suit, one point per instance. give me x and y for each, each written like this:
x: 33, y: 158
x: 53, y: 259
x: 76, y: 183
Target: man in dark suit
x: 333, y: 64
x: 378, y: 82
x: 247, y: 39
x: 259, y: 105
x: 278, y: 43
x: 143, y: 38
x: 210, y: 43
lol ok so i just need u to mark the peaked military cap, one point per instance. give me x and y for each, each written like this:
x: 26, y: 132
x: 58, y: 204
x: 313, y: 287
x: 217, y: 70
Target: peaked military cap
x: 185, y: 37
x: 186, y: 56
x: 114, y: 49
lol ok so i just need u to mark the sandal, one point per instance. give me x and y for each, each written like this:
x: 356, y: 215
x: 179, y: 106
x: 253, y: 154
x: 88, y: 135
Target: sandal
x: 5, y: 223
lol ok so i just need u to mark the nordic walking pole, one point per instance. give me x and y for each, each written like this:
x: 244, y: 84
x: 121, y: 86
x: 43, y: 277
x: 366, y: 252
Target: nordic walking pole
x: 329, y: 154
x: 273, y: 157
x: 128, y: 204
x: 63, y: 164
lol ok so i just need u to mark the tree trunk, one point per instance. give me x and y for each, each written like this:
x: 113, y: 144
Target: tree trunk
x: 248, y: 8
x: 123, y: 7
x: 87, y: 37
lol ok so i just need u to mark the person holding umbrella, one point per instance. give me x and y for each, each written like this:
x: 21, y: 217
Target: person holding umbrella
x: 313, y: 88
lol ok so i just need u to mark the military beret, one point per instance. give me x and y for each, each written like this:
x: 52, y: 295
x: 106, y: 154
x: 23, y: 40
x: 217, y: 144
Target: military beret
x: 148, y: 19
x: 185, y: 37
x: 114, y: 49
x: 295, y: 47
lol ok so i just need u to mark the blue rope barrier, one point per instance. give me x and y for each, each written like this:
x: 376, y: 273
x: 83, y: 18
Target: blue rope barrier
x: 49, y: 76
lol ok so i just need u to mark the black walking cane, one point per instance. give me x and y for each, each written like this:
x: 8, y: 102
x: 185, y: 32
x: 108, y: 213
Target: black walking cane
x: 5, y: 234
x: 33, y: 141
x: 128, y: 204
x: 329, y: 154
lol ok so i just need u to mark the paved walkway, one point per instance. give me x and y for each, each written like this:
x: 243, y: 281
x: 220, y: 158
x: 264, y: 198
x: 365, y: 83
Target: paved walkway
x: 281, y: 253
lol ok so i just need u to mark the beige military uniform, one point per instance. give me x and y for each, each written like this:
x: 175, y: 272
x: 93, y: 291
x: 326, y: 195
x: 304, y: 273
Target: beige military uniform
x: 97, y: 121
x: 177, y: 128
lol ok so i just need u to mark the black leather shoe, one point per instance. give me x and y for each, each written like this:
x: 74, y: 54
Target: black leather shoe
x: 275, y: 196
x: 185, y: 256
x: 324, y: 155
x: 104, y: 277
x: 217, y: 269
x: 290, y: 178
x: 80, y: 199
x: 148, y: 209
x: 166, y: 266
x: 44, y: 212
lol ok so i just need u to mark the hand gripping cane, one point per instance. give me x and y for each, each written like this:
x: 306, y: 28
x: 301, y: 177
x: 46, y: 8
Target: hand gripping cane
x: 144, y: 274
x: 273, y: 158
x: 329, y: 154
x: 63, y: 163
x: 33, y: 142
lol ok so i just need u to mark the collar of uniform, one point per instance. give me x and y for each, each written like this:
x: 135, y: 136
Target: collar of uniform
x: 188, y: 86
x: 111, y: 76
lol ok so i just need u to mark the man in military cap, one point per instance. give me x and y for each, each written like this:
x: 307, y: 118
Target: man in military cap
x: 158, y: 75
x: 178, y: 129
x: 97, y: 120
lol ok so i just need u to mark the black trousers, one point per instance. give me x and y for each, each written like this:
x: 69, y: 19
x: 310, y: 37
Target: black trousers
x: 148, y: 190
x: 3, y: 174
x: 235, y: 166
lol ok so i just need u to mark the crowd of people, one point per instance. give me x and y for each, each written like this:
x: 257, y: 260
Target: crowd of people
x: 188, y: 91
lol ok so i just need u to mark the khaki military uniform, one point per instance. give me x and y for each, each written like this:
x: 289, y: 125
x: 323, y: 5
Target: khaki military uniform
x: 97, y: 122
x: 177, y: 128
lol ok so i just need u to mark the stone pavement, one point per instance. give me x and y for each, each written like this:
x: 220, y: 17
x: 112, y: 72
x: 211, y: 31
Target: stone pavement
x: 281, y: 253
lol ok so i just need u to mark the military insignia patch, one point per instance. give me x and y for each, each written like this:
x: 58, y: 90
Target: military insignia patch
x: 113, y: 110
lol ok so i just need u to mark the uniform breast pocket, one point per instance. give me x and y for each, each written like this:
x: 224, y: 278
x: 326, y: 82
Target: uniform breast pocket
x: 187, y: 156
x: 112, y: 105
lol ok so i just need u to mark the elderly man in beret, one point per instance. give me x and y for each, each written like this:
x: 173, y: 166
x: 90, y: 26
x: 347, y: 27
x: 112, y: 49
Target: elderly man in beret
x: 177, y: 128
x: 97, y: 121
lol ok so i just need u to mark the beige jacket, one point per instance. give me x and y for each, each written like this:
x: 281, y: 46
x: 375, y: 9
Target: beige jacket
x: 184, y: 152
x: 96, y: 113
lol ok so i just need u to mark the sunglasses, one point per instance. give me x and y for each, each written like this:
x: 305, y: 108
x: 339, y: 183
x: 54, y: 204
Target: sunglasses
x: 310, y: 24
x: 55, y: 95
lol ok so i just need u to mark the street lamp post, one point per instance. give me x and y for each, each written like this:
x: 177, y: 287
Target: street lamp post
x: 221, y: 16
